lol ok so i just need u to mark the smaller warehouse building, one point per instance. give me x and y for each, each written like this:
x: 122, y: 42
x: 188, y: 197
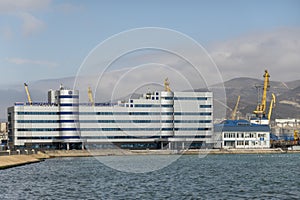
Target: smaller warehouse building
x: 241, y: 134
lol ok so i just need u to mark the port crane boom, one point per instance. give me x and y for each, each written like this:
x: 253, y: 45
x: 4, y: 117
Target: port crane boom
x: 233, y: 114
x: 261, y: 107
x: 28, y: 94
x: 272, y: 105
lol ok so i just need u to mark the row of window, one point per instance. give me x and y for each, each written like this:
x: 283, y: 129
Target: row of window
x: 193, y: 136
x: 103, y: 137
x: 68, y: 104
x: 46, y: 129
x: 146, y: 105
x: 151, y: 105
x: 138, y: 105
x: 244, y: 143
x: 37, y: 113
x: 111, y: 129
x: 113, y: 113
x: 186, y: 98
x: 94, y: 113
x: 192, y: 129
x: 47, y: 137
x: 240, y: 135
x: 113, y: 121
x: 193, y: 113
x: 69, y: 97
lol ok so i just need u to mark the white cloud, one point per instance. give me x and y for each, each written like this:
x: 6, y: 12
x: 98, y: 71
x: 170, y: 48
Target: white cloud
x: 30, y: 24
x: 21, y: 61
x: 23, y: 10
x: 278, y: 51
x: 8, y: 6
x: 247, y: 56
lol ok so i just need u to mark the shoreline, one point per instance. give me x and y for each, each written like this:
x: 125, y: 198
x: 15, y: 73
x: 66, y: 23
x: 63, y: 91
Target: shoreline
x: 19, y: 160
x: 10, y: 161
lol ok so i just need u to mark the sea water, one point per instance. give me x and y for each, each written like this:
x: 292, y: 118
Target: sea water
x: 262, y: 176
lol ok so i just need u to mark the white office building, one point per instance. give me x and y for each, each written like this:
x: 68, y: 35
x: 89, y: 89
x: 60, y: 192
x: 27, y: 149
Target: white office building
x: 157, y: 120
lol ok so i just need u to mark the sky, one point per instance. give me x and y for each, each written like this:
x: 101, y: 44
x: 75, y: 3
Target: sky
x: 49, y: 39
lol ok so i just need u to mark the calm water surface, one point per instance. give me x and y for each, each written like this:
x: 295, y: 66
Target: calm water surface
x: 190, y: 177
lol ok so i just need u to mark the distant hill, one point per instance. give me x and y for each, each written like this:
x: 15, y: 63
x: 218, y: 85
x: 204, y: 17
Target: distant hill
x: 287, y: 93
x: 287, y: 96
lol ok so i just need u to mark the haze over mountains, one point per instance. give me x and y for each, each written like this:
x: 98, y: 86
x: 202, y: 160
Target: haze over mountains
x: 287, y: 95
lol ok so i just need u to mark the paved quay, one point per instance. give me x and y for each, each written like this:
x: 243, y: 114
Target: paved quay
x: 17, y: 160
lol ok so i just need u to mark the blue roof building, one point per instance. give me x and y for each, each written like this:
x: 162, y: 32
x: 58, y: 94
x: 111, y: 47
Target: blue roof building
x: 241, y: 134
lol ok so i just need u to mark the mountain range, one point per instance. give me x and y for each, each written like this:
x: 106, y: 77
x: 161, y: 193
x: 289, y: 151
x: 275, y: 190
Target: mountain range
x: 287, y: 95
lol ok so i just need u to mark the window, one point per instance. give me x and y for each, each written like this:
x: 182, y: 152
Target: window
x: 69, y: 97
x: 167, y: 106
x: 240, y: 135
x: 167, y: 129
x: 205, y: 106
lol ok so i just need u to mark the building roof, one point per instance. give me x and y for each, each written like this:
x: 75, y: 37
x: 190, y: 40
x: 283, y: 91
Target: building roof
x: 240, y: 126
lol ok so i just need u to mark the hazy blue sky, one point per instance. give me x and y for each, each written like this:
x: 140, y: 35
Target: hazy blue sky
x: 43, y: 39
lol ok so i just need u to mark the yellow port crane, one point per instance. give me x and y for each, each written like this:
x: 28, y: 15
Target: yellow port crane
x: 296, y: 137
x: 234, y: 111
x: 261, y: 107
x: 28, y: 94
x: 272, y: 105
x: 167, y: 85
x: 90, y: 95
